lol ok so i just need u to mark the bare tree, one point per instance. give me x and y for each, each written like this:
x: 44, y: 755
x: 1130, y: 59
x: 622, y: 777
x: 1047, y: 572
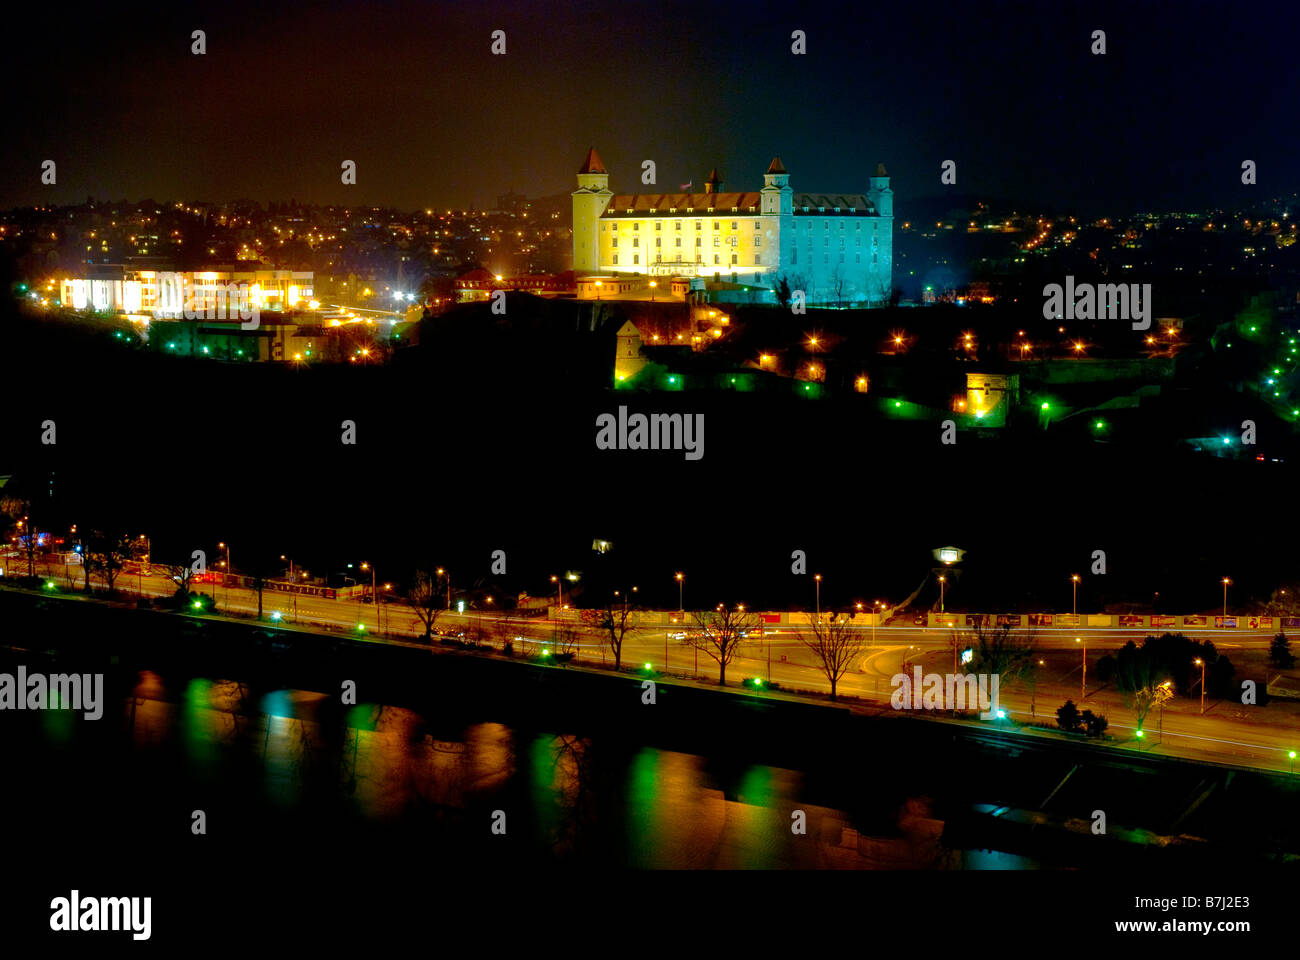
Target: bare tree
x: 426, y: 595
x: 1001, y: 650
x: 837, y: 285
x: 720, y: 633
x: 835, y: 644
x: 107, y: 553
x: 613, y: 624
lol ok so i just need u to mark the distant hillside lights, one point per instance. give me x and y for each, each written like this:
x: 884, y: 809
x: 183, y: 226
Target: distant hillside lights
x: 1106, y: 301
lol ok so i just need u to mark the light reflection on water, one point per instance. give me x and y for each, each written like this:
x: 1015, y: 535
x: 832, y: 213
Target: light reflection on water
x: 575, y: 798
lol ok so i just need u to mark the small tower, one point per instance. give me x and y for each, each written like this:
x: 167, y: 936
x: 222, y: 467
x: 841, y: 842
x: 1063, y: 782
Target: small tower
x: 589, y: 202
x: 777, y: 196
x: 714, y: 183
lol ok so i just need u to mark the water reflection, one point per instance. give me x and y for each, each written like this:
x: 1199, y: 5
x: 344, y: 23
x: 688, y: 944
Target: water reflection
x: 568, y: 797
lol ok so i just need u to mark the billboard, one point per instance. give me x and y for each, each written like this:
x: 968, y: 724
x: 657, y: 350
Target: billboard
x: 1196, y: 621
x: 1131, y: 620
x: 1040, y: 619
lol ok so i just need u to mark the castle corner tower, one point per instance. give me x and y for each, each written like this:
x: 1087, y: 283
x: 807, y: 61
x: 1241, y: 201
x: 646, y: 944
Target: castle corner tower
x: 589, y: 202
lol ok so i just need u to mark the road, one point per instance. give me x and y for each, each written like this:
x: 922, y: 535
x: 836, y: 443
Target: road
x: 1229, y: 733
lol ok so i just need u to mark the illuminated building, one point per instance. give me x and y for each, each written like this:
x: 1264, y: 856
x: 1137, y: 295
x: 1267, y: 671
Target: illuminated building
x: 118, y: 288
x: 837, y: 247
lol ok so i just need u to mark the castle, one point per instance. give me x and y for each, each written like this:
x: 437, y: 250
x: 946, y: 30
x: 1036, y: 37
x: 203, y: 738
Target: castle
x: 838, y: 248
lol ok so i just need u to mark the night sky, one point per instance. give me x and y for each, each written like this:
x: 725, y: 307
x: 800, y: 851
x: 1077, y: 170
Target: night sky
x: 411, y: 92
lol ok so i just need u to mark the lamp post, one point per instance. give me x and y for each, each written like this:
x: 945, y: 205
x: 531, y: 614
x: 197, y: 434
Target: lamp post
x: 443, y: 573
x: 1201, y: 663
x: 1160, y: 730
x: 1291, y: 757
x: 1083, y: 684
x: 681, y: 605
x: 1226, y: 581
x: 1074, y: 580
x: 942, y: 581
x: 817, y: 579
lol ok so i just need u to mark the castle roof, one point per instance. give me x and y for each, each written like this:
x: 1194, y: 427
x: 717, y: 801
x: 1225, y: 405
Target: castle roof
x: 713, y: 176
x: 593, y: 163
x: 776, y: 166
x: 880, y: 170
x: 662, y: 203
x: 815, y: 201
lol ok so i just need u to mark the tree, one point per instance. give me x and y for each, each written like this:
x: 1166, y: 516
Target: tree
x: 1144, y: 698
x: 106, y: 553
x: 613, y: 622
x: 426, y: 595
x: 1094, y: 723
x: 1067, y: 717
x: 836, y: 645
x: 782, y: 292
x: 1279, y: 651
x: 720, y: 633
x: 837, y: 285
x: 1000, y: 650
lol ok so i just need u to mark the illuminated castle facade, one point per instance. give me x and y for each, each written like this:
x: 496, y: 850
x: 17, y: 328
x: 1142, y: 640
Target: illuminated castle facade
x: 836, y: 247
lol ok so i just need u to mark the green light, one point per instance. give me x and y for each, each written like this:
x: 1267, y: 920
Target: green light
x: 1252, y: 329
x: 1291, y: 754
x: 198, y: 604
x: 672, y: 379
x: 239, y: 353
x: 898, y: 403
x: 647, y: 666
x: 1277, y: 370
x: 361, y: 628
x: 49, y: 584
x: 545, y: 652
x: 733, y: 379
x: 309, y: 353
x: 1100, y: 424
x: 1139, y: 734
x: 1045, y: 405
x: 275, y: 615
x: 1227, y: 440
x: 171, y: 346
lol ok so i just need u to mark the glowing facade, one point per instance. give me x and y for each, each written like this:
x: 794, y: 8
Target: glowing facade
x: 838, y: 248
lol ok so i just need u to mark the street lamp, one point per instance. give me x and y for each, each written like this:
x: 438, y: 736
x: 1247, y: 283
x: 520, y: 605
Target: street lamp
x: 1201, y: 663
x: 1226, y: 581
x: 942, y: 581
x: 443, y: 573
x: 1291, y: 756
x: 681, y: 605
x: 1083, y: 684
x: 817, y: 579
x: 1074, y: 579
x: 559, y: 594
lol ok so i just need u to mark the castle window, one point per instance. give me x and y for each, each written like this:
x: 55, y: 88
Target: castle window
x: 659, y: 241
x: 859, y: 226
x: 794, y: 255
x: 758, y: 241
x: 636, y: 241
x: 636, y: 258
x: 679, y: 241
x: 857, y: 258
x: 629, y: 209
x: 735, y: 209
x: 616, y: 259
x: 873, y: 259
x: 837, y: 209
x: 614, y: 241
x: 805, y: 210
x: 652, y: 209
x: 826, y: 258
x: 635, y: 226
x: 733, y: 258
x: 699, y: 224
x: 716, y: 259
x: 821, y: 209
x: 716, y: 225
x: 853, y: 209
x: 841, y: 256
x: 751, y: 209
x: 734, y: 225
x: 690, y: 209
x: 659, y: 224
x: 733, y: 240
x: 677, y: 225
x: 717, y: 241
x: 756, y: 225
x: 698, y: 242
x: 672, y: 209
x: 709, y: 209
